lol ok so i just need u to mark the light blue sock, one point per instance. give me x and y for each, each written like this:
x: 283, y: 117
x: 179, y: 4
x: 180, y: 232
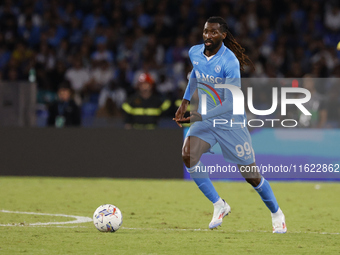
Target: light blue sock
x: 203, y: 181
x: 267, y: 195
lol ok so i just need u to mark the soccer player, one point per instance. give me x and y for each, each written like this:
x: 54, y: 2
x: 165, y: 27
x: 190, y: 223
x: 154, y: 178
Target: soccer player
x: 215, y: 62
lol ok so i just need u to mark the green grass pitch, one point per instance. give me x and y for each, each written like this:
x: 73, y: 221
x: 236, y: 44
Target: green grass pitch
x: 165, y: 217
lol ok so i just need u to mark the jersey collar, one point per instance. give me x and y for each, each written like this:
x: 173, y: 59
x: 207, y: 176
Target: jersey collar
x: 220, y: 51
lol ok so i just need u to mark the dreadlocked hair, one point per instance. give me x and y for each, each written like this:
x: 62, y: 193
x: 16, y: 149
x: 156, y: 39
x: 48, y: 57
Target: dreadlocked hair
x: 231, y: 43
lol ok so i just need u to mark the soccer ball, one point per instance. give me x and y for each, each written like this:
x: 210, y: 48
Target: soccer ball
x: 107, y: 218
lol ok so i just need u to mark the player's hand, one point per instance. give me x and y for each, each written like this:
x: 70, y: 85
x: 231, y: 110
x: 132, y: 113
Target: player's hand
x: 194, y: 116
x: 181, y: 111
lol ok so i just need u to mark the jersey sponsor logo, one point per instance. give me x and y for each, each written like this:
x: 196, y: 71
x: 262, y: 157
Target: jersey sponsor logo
x: 217, y: 69
x: 195, y: 62
x: 208, y: 78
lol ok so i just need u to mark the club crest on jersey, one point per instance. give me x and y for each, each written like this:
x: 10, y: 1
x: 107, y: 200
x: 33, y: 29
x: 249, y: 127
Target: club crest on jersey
x: 217, y: 69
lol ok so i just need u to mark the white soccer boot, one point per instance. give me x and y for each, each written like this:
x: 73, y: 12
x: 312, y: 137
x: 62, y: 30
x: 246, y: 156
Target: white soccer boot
x: 220, y: 211
x: 279, y: 222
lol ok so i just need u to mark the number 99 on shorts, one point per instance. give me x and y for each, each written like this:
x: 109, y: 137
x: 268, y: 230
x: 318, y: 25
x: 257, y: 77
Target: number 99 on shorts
x: 244, y: 150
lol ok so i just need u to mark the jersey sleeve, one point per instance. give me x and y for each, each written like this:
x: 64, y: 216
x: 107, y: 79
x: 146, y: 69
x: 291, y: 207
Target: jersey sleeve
x: 192, y: 85
x: 231, y: 68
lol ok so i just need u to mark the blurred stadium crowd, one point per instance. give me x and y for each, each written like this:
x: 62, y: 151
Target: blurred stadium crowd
x: 103, y: 48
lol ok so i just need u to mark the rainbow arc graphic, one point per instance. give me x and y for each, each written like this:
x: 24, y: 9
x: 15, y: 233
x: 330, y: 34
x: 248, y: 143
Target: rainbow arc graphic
x: 209, y: 93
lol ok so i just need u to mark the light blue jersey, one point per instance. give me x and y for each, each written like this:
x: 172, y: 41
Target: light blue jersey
x: 221, y: 68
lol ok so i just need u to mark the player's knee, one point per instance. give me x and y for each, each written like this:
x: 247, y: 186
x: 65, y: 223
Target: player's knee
x: 186, y: 160
x: 189, y: 159
x: 253, y: 181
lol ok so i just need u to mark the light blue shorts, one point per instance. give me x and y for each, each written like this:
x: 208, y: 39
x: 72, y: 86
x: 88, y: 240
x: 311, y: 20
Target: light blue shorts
x: 235, y: 144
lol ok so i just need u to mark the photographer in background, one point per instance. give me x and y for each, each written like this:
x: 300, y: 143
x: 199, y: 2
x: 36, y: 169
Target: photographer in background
x: 64, y: 112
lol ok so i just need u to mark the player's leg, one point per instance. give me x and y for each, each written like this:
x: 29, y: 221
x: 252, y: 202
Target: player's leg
x: 192, y: 150
x: 236, y: 147
x: 262, y: 187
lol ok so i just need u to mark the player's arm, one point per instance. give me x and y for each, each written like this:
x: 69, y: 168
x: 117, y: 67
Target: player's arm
x: 226, y: 106
x: 186, y: 99
x: 181, y: 111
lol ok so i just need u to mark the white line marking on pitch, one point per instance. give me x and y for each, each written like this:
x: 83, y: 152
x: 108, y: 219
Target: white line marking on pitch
x: 226, y: 231
x: 78, y: 219
x: 82, y: 219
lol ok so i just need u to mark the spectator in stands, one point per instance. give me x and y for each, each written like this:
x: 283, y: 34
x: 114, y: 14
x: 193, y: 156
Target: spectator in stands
x: 144, y: 108
x: 165, y: 86
x: 100, y: 76
x: 63, y: 51
x: 102, y: 53
x: 78, y: 78
x: 28, y: 14
x: 111, y: 98
x: 21, y: 53
x: 75, y: 32
x: 332, y: 17
x: 53, y: 38
x: 124, y: 76
x: 85, y: 56
x: 46, y: 56
x: 57, y: 76
x: 29, y: 32
x: 126, y: 51
x: 147, y: 67
x: 64, y: 112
